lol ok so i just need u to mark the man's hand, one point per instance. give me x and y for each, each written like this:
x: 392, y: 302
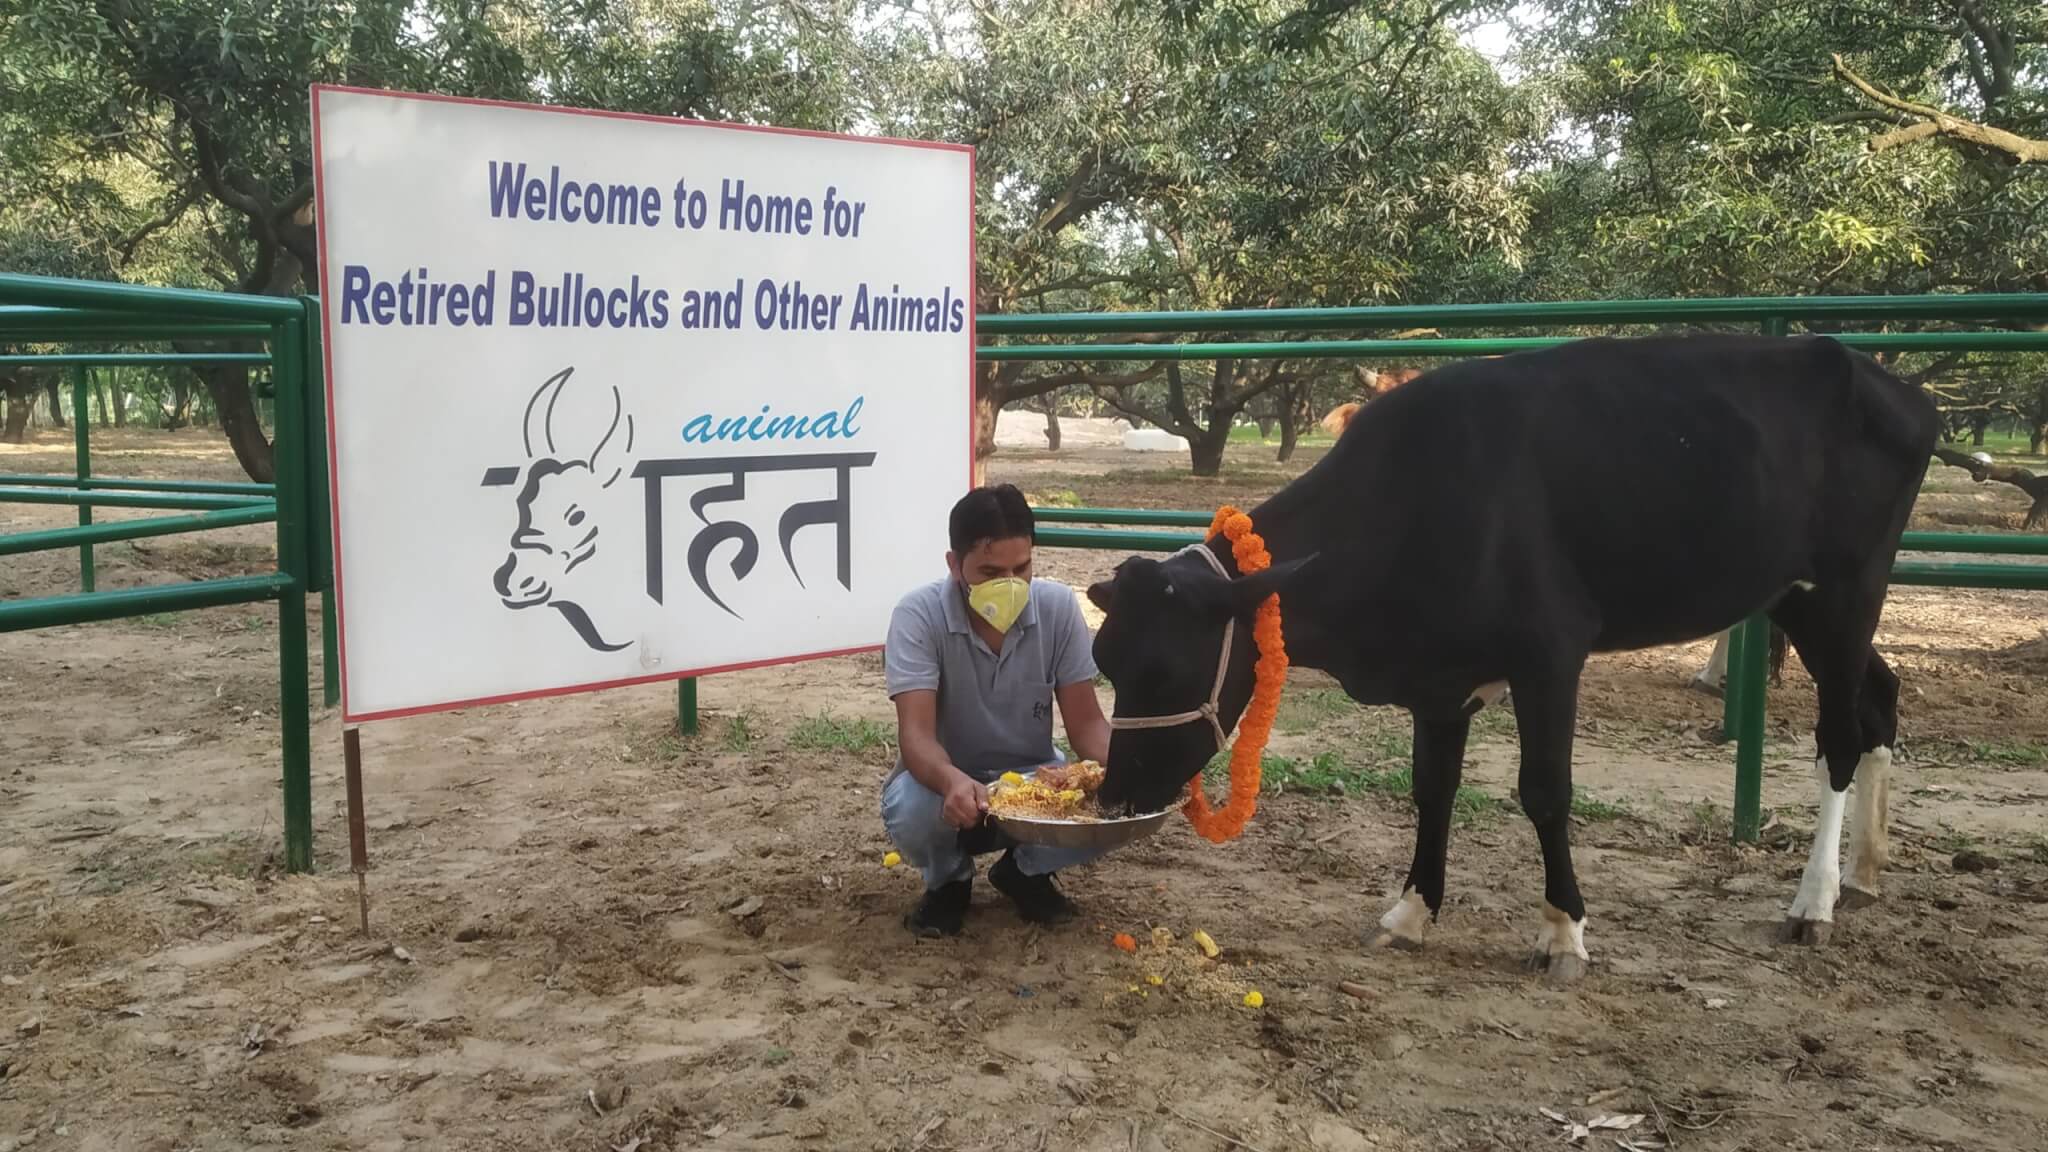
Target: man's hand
x: 966, y: 801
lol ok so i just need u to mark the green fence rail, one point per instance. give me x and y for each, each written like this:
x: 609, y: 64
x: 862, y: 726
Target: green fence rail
x: 1743, y: 707
x: 137, y: 484
x: 42, y: 311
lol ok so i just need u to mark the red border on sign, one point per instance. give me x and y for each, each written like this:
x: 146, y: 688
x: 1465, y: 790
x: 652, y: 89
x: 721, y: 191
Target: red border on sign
x: 327, y: 355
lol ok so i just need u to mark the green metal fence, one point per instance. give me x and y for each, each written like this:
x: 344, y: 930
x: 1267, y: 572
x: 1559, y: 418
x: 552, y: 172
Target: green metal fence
x: 44, y: 311
x: 1748, y: 649
x: 39, y: 311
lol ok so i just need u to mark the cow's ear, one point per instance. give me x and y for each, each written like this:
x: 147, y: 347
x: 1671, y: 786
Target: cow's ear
x: 1100, y: 594
x: 1252, y: 590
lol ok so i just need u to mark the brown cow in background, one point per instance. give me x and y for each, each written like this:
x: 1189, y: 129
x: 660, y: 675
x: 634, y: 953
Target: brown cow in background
x: 1375, y: 385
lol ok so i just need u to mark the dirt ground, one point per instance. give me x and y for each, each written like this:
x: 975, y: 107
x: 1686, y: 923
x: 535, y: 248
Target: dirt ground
x: 588, y: 933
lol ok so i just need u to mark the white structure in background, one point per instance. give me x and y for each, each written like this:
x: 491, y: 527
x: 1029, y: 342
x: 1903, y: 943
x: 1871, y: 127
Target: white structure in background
x: 1153, y: 440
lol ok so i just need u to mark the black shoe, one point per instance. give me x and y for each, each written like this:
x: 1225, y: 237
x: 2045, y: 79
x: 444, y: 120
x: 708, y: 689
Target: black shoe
x: 1037, y: 899
x: 942, y: 912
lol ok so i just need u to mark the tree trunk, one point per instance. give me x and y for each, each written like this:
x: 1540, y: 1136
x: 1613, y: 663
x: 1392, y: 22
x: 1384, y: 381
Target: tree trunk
x: 99, y: 389
x: 1296, y: 415
x: 120, y: 398
x: 228, y: 384
x: 181, y: 402
x: 56, y: 404
x: 2036, y: 438
x: 1206, y: 450
x: 21, y: 400
x: 1052, y: 425
x: 1978, y: 424
x: 1266, y: 429
x: 988, y: 405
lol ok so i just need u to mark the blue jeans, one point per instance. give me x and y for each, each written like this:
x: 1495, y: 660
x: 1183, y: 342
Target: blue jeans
x: 914, y: 816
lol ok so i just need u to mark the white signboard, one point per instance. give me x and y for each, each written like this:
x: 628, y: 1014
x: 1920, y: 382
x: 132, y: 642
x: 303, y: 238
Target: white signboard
x: 615, y: 399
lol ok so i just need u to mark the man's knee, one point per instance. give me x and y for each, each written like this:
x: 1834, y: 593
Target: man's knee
x: 913, y: 815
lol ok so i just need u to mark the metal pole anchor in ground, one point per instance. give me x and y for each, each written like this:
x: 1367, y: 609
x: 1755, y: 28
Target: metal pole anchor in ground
x: 358, y: 850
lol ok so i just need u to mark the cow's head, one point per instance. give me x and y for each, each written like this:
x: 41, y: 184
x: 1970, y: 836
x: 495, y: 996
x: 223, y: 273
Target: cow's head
x: 1161, y: 646
x: 576, y: 445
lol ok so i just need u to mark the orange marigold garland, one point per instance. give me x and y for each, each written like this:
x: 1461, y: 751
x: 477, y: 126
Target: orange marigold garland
x: 1256, y: 725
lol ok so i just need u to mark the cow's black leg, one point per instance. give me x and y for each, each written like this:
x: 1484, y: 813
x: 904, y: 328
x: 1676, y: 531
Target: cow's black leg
x: 1830, y: 627
x: 1546, y: 711
x: 1439, y: 763
x: 1869, y: 812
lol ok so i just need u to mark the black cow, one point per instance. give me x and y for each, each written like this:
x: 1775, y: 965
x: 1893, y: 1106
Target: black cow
x: 1494, y: 522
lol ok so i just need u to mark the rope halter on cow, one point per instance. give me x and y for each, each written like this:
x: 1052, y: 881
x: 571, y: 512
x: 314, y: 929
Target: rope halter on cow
x: 1210, y: 709
x: 1269, y: 677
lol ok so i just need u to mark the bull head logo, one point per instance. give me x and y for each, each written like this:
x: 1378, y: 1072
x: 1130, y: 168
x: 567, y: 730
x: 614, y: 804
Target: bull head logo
x: 560, y: 501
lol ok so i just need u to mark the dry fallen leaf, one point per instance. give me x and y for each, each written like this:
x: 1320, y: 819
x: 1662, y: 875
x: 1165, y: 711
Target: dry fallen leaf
x: 1619, y: 1122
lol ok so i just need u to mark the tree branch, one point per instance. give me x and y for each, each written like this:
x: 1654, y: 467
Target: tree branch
x: 1137, y: 410
x: 176, y: 212
x: 1935, y: 122
x: 1029, y: 387
x: 1078, y: 282
x: 2020, y: 478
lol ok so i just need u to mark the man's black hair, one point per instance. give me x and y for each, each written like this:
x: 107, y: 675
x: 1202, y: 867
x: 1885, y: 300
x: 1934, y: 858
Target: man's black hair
x: 995, y: 512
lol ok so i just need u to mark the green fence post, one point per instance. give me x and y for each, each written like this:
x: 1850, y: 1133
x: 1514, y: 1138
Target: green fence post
x: 1754, y: 675
x: 293, y: 713
x: 686, y: 705
x: 81, y: 435
x: 330, y: 656
x: 1748, y: 686
x: 1731, y: 685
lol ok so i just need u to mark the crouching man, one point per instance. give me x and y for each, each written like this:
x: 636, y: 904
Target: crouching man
x: 975, y: 663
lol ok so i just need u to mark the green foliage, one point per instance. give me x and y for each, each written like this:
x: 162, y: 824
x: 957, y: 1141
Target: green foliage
x: 1179, y: 154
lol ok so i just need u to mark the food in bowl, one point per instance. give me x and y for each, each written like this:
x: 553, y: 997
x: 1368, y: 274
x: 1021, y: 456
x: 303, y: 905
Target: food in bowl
x: 1057, y: 792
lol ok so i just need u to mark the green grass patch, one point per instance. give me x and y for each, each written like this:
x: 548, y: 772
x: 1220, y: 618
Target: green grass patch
x: 1594, y: 810
x: 1951, y: 839
x: 740, y: 732
x: 1329, y: 775
x: 1056, y: 498
x: 828, y: 733
x: 2016, y: 753
x: 1304, y: 711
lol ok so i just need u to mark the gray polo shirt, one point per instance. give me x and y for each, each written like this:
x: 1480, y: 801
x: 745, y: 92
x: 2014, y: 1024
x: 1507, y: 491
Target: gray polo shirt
x: 995, y: 709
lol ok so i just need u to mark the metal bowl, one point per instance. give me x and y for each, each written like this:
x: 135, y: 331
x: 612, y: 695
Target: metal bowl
x: 1088, y: 834
x: 1085, y: 834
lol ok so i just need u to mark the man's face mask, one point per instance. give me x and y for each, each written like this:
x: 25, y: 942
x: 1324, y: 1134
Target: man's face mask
x: 999, y: 601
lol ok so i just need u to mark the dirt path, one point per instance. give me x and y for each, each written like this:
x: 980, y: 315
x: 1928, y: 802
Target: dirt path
x: 588, y: 932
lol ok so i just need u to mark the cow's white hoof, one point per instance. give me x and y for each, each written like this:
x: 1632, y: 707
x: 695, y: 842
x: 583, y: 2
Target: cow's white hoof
x: 1558, y: 967
x: 1403, y: 926
x: 1807, y: 933
x: 1560, y: 952
x: 1383, y: 938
